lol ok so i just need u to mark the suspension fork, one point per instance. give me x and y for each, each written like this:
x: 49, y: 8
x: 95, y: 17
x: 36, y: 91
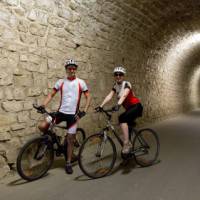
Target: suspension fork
x: 41, y: 149
x: 100, y: 147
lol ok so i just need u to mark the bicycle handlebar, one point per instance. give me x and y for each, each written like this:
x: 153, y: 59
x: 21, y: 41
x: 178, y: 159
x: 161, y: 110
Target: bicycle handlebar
x: 108, y: 112
x: 40, y: 109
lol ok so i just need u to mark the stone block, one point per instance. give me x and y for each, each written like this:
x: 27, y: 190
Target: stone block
x: 6, y: 120
x: 19, y: 93
x: 12, y: 2
x: 1, y: 94
x: 23, y: 80
x: 56, y: 22
x: 28, y: 39
x: 4, y: 17
x: 39, y: 16
x: 23, y: 26
x: 28, y: 105
x: 31, y: 67
x: 23, y: 116
x: 36, y: 29
x: 18, y: 126
x: 9, y: 93
x: 23, y: 57
x: 45, y: 4
x: 34, y: 92
x: 12, y: 106
x: 12, y: 150
x: 39, y: 80
x: 34, y: 59
x: 19, y: 11
x: 4, y: 168
x: 64, y: 13
x: 6, y: 78
x: 4, y: 133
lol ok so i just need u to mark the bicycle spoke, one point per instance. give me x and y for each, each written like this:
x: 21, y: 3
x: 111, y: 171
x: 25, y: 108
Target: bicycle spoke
x: 146, y: 147
x: 97, y: 156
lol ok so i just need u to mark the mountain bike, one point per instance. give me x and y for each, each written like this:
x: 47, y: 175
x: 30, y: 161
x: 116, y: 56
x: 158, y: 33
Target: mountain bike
x: 36, y: 157
x: 97, y: 154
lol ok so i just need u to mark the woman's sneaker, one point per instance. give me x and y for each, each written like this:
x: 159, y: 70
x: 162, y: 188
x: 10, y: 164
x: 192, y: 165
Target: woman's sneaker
x: 127, y: 148
x: 68, y: 168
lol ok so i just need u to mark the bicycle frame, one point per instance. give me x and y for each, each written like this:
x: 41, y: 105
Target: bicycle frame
x: 110, y: 127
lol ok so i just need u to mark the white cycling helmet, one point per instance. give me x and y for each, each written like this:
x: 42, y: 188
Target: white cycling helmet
x: 119, y: 69
x: 70, y: 62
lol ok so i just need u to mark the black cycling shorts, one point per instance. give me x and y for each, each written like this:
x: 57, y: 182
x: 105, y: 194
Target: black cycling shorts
x: 70, y: 119
x: 130, y: 115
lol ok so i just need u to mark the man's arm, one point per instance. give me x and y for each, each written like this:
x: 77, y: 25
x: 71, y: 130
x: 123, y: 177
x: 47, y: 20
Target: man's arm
x: 49, y: 98
x: 88, y: 100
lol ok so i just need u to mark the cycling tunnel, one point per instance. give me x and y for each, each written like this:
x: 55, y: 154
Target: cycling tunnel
x: 158, y: 41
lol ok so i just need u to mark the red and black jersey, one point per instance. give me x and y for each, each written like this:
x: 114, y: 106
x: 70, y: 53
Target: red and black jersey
x: 131, y: 99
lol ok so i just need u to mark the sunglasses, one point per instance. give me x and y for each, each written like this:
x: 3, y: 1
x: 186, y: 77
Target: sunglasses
x: 118, y: 74
x: 70, y: 68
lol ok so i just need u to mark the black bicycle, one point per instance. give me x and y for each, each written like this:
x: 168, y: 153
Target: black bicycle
x: 37, y: 155
x: 97, y: 154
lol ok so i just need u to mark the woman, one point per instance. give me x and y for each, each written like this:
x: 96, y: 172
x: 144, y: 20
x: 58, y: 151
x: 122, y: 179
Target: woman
x: 130, y: 102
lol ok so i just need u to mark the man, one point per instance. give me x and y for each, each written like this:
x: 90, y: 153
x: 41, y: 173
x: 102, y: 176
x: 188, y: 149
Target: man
x: 130, y: 102
x: 70, y: 88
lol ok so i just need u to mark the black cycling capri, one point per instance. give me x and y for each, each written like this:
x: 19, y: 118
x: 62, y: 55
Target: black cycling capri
x: 131, y: 114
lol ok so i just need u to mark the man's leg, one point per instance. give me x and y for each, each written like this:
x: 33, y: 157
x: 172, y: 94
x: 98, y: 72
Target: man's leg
x: 70, y: 146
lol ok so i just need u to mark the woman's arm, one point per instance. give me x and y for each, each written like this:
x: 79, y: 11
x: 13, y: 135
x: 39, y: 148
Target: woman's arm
x: 107, y: 98
x: 124, y: 95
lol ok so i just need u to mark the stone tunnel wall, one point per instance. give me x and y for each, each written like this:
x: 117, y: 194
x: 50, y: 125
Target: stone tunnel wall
x: 37, y: 36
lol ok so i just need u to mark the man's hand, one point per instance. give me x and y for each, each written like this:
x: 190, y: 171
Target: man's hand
x: 41, y: 109
x: 116, y: 107
x: 99, y: 109
x: 80, y: 114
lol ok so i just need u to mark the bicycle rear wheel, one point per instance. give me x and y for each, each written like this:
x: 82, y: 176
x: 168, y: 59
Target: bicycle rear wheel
x: 35, y: 158
x: 97, y: 156
x: 146, y: 147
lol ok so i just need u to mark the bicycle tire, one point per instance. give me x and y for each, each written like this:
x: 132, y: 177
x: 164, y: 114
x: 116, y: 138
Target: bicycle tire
x: 87, y: 159
x: 146, y: 142
x: 31, y: 164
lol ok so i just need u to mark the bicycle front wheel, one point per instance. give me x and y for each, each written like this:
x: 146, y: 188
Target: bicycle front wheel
x: 146, y: 147
x: 80, y: 137
x: 35, y: 158
x: 97, y: 156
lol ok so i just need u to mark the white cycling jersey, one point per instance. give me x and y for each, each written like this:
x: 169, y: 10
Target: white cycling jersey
x: 70, y: 94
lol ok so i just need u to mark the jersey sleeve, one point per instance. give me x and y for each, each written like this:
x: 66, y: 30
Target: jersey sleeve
x: 84, y: 87
x: 57, y: 85
x: 114, y: 88
x: 128, y: 85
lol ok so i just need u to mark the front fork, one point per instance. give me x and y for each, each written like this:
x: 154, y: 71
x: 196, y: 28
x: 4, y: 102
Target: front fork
x: 101, y: 145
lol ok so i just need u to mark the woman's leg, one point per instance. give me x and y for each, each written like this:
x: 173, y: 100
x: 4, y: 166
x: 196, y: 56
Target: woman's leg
x: 124, y: 128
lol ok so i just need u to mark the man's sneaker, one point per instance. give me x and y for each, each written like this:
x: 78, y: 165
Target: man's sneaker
x: 68, y: 168
x: 127, y: 148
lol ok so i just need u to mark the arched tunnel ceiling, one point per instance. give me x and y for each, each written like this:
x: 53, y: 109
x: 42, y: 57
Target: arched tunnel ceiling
x: 151, y: 16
